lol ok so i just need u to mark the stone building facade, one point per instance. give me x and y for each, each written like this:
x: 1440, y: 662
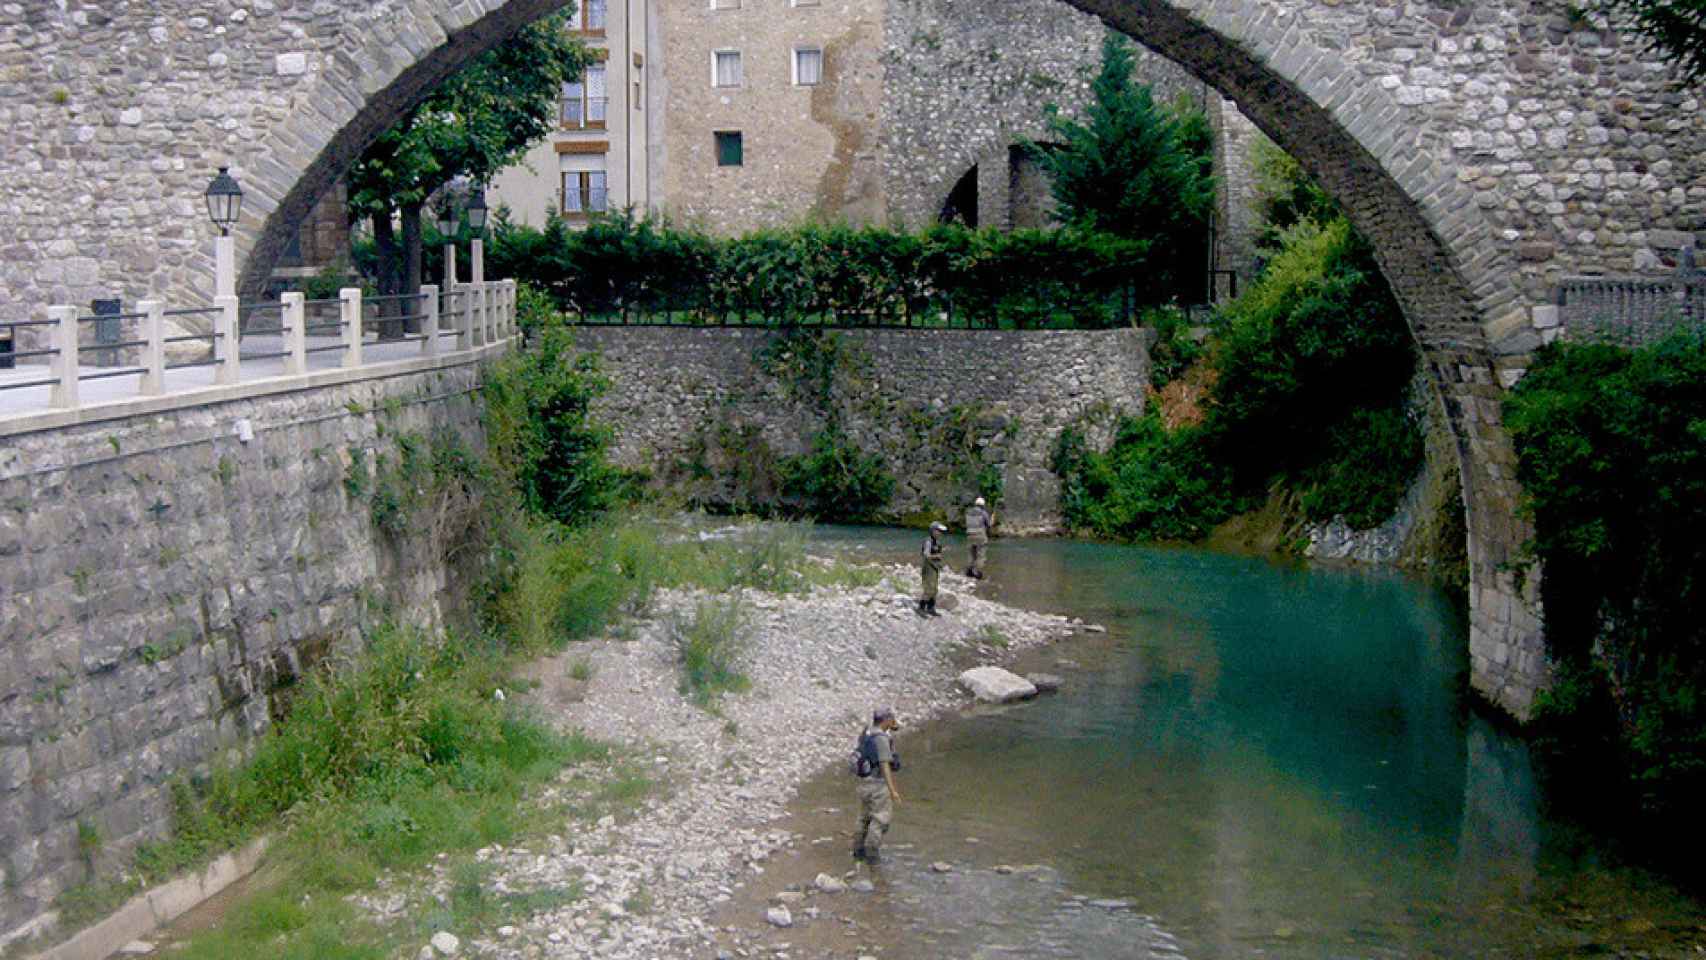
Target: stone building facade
x: 773, y: 112
x: 599, y: 157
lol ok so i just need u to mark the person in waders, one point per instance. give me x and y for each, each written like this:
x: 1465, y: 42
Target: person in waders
x: 875, y: 765
x: 978, y: 524
x: 930, y: 565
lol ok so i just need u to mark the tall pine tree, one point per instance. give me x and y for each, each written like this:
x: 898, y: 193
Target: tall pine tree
x: 1139, y: 170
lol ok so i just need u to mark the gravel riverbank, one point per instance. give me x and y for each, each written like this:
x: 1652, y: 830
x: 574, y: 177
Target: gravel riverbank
x: 818, y: 662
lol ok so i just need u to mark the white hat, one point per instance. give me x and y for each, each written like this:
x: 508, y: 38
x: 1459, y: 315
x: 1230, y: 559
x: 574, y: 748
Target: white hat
x: 939, y: 526
x: 978, y: 502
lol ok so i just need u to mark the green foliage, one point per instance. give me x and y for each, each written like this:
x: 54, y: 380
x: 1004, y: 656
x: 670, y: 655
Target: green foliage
x: 1311, y: 368
x: 838, y: 479
x: 430, y: 486
x: 709, y: 645
x: 1137, y: 170
x: 1611, y: 447
x: 475, y: 122
x: 640, y: 270
x: 1152, y: 483
x: 1676, y: 28
x: 1310, y: 360
x: 1286, y: 196
x: 540, y: 429
x: 1175, y: 347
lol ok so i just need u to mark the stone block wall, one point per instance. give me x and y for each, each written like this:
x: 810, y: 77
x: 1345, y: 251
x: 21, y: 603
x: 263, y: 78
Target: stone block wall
x: 159, y: 578
x: 690, y: 402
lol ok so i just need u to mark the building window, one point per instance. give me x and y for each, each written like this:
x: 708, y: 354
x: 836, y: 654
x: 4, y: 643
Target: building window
x: 725, y: 68
x: 730, y: 151
x: 808, y: 66
x: 588, y: 16
x: 586, y: 102
x: 725, y: 4
x: 586, y: 192
x: 806, y: 3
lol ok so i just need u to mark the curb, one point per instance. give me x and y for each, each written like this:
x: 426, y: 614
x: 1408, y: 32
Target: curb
x: 152, y: 909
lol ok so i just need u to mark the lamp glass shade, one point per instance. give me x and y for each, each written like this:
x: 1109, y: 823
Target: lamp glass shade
x: 224, y: 200
x: 445, y: 220
x: 477, y: 210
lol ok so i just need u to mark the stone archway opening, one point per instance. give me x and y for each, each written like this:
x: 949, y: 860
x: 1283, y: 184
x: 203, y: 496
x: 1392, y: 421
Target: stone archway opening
x: 1437, y: 253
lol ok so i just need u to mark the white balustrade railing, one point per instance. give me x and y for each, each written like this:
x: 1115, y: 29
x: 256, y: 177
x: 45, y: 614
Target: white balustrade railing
x: 48, y: 368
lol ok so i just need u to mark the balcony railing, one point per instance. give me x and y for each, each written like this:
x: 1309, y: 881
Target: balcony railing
x: 585, y: 112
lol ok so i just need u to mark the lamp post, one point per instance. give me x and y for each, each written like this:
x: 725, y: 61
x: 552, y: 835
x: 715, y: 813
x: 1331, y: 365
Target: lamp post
x: 447, y: 230
x: 477, y: 228
x: 224, y: 205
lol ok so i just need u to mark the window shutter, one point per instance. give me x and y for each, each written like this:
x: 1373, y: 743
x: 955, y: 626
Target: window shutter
x: 596, y: 93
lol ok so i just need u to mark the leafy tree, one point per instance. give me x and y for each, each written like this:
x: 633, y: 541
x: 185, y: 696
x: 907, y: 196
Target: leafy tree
x: 478, y: 121
x: 1676, y: 28
x: 1138, y: 170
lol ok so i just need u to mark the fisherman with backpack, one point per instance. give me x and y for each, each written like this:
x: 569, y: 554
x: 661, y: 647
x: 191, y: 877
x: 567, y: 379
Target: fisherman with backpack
x: 875, y: 763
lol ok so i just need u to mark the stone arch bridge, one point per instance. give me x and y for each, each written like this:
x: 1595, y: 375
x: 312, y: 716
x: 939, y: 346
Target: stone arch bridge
x: 1487, y: 149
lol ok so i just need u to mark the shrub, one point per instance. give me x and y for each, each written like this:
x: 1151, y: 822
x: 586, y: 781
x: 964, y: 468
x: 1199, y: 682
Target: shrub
x: 709, y: 646
x: 1611, y: 448
x: 838, y: 479
x: 540, y: 428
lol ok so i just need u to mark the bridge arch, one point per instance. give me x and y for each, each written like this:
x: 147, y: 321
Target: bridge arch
x: 1486, y: 152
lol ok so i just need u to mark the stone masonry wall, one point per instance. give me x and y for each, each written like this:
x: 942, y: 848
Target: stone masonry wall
x: 963, y: 81
x: 159, y: 578
x: 677, y: 389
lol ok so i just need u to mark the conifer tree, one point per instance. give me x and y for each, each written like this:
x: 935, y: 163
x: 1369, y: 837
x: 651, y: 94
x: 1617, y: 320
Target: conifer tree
x: 1138, y: 170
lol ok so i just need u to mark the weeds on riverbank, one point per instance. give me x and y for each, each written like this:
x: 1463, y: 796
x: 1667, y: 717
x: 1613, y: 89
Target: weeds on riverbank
x: 386, y: 759
x: 709, y: 645
x: 570, y: 584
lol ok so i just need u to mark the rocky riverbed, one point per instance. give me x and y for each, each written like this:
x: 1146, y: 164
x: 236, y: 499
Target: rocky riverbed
x: 651, y: 876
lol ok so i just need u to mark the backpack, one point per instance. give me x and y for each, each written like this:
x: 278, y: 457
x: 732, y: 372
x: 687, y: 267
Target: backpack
x: 863, y: 761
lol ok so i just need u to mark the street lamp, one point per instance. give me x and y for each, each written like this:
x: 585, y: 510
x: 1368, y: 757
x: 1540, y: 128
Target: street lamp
x: 446, y: 217
x: 477, y: 226
x: 224, y: 205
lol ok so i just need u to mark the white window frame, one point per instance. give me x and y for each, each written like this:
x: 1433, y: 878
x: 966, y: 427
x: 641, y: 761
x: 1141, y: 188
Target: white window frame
x: 725, y: 4
x: 805, y: 3
x: 796, y: 68
x: 740, y: 69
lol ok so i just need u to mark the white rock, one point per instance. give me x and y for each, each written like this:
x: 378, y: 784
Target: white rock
x: 995, y: 685
x: 446, y: 943
x: 136, y: 948
x: 779, y: 917
x: 828, y: 884
x: 941, y: 867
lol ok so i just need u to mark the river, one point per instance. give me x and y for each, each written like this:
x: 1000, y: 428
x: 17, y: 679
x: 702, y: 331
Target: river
x: 1256, y: 760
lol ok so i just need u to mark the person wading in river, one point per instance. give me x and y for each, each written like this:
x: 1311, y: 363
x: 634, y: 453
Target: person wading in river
x: 930, y: 565
x: 978, y: 522
x: 876, y: 767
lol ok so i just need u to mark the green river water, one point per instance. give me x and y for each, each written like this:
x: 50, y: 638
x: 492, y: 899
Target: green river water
x: 1257, y: 760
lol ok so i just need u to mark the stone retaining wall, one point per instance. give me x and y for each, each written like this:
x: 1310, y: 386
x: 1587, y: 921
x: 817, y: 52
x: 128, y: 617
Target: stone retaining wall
x: 696, y: 408
x: 160, y: 578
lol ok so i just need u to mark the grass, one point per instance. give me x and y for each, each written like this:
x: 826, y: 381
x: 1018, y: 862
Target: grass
x: 709, y: 645
x: 385, y: 761
x: 399, y: 753
x: 990, y: 635
x: 571, y: 584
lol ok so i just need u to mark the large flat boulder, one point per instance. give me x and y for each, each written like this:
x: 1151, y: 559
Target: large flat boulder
x: 995, y: 685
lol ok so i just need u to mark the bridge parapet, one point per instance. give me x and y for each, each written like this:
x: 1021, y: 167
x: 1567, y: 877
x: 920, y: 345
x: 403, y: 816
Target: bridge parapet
x: 79, y: 368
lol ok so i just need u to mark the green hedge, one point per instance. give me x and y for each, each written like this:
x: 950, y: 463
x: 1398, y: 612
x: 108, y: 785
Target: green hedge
x: 623, y: 268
